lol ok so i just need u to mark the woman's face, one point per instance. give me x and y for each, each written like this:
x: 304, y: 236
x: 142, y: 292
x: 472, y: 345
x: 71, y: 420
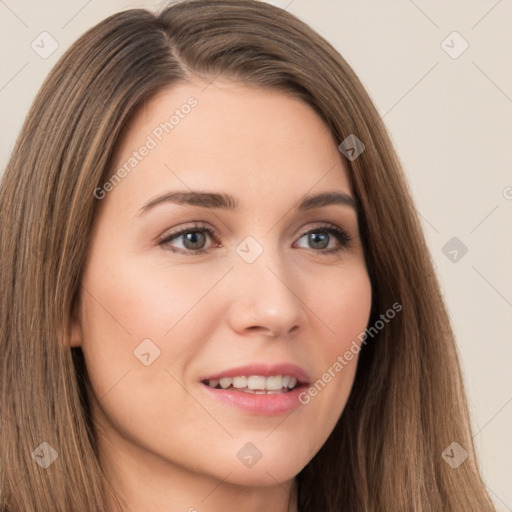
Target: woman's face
x: 180, y: 292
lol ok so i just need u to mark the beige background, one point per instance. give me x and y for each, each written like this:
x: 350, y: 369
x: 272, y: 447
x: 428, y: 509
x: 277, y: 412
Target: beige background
x: 450, y: 119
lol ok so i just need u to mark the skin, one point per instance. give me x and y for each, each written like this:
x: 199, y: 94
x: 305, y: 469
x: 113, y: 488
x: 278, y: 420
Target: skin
x: 165, y: 443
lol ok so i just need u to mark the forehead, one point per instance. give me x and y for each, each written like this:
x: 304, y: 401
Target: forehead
x: 226, y: 136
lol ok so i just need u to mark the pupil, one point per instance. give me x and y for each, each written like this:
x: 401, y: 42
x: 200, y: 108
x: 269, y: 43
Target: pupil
x: 195, y: 238
x: 323, y: 238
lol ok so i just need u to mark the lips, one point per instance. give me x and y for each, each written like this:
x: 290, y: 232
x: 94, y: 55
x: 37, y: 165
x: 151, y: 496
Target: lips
x: 260, y: 389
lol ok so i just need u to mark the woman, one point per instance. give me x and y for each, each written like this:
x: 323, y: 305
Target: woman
x: 215, y: 290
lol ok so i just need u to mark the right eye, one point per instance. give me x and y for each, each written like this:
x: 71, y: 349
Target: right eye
x: 194, y: 239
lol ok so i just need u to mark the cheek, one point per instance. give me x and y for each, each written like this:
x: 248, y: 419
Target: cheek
x: 343, y: 306
x: 128, y: 317
x: 129, y: 302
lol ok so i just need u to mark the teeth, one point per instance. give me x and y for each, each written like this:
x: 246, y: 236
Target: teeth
x: 256, y: 384
x: 225, y: 382
x: 239, y: 382
x: 274, y: 383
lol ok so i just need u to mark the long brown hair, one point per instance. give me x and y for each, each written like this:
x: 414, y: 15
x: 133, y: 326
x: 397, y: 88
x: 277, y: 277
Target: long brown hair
x: 407, y: 404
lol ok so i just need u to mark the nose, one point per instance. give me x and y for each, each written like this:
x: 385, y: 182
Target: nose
x: 265, y: 300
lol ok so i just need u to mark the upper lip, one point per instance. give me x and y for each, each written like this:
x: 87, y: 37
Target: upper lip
x: 263, y: 369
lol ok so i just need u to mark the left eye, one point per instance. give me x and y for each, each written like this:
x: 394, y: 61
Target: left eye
x: 321, y: 238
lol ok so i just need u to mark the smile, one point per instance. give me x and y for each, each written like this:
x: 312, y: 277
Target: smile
x: 256, y: 384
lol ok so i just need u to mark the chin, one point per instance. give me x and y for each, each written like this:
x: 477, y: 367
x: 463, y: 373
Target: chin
x: 271, y: 468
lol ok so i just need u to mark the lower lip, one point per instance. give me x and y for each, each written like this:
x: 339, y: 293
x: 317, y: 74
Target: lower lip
x: 260, y: 404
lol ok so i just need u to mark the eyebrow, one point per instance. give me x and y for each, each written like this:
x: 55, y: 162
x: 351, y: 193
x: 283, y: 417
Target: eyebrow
x: 228, y: 202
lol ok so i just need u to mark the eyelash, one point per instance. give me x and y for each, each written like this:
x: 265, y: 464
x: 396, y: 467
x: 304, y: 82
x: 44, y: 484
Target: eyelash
x: 342, y: 236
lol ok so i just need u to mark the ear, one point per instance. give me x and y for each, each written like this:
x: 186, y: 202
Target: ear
x: 76, y: 335
x: 75, y: 330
